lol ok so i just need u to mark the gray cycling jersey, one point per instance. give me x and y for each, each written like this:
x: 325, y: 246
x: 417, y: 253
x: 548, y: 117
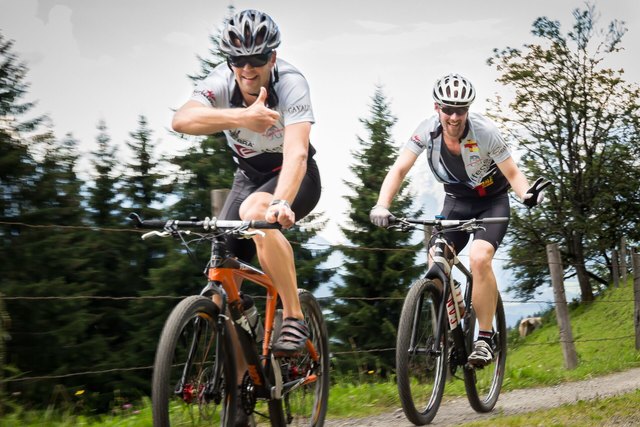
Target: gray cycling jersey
x: 294, y: 106
x: 482, y: 147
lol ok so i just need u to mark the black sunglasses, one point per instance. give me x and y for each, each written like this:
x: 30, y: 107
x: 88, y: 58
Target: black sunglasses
x: 259, y: 60
x: 450, y: 111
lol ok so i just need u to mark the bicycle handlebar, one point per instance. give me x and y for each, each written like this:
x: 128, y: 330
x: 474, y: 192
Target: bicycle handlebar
x: 448, y: 223
x: 205, y: 224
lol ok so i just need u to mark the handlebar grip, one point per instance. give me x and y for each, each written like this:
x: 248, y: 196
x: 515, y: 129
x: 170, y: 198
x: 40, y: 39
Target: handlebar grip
x: 150, y: 223
x: 265, y: 225
x: 497, y: 220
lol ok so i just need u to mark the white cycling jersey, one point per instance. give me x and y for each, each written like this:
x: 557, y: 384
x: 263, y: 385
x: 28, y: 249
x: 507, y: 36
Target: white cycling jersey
x: 481, y: 148
x: 294, y: 106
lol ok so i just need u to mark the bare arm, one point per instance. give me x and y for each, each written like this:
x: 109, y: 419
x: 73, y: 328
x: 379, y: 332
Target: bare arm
x: 515, y: 177
x: 195, y: 118
x: 295, y: 152
x: 395, y: 176
x: 294, y: 160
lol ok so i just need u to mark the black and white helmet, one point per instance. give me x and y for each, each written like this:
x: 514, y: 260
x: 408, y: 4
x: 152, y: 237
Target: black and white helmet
x: 249, y: 32
x: 454, y: 90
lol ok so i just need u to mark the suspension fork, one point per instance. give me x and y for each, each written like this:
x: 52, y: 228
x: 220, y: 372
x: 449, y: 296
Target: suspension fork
x: 193, y: 348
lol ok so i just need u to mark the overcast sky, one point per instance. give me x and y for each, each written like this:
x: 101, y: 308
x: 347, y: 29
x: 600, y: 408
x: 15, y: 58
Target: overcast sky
x: 118, y: 59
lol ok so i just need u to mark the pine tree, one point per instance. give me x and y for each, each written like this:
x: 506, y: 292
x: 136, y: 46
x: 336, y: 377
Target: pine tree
x: 104, y: 203
x: 54, y: 263
x: 360, y: 323
x: 145, y: 190
x: 111, y: 270
x: 18, y: 179
x: 17, y: 165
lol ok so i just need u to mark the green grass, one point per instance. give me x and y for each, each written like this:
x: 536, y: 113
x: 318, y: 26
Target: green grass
x: 604, y: 337
x: 605, y: 342
x: 121, y: 417
x: 619, y: 411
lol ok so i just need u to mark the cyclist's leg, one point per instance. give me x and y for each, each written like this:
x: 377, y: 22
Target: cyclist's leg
x: 453, y: 208
x: 244, y: 249
x: 481, y: 253
x: 241, y: 189
x: 485, y: 287
x: 275, y: 252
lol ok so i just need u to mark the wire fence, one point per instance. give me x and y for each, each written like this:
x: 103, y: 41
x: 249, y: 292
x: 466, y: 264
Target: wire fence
x: 322, y: 300
x: 334, y: 246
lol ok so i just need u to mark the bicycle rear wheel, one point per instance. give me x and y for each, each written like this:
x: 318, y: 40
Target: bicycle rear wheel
x: 306, y: 404
x: 194, y: 369
x: 421, y: 372
x: 483, y: 385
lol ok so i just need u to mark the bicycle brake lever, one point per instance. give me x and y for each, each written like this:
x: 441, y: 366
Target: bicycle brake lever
x: 155, y: 233
x: 249, y: 234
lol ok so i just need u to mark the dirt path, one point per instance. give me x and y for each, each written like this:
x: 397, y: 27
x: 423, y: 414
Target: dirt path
x: 458, y: 411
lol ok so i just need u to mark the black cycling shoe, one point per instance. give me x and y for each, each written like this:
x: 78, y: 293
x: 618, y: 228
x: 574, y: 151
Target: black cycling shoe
x: 293, y: 337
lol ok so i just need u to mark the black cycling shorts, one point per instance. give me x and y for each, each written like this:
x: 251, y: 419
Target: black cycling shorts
x: 306, y: 199
x: 468, y: 208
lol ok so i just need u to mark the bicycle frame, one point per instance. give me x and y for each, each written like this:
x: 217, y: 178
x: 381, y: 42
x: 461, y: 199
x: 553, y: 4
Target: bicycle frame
x: 444, y: 259
x: 222, y: 273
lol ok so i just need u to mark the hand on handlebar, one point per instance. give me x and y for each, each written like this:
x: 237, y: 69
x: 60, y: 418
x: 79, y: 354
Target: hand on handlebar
x: 534, y: 195
x: 380, y: 216
x: 282, y: 213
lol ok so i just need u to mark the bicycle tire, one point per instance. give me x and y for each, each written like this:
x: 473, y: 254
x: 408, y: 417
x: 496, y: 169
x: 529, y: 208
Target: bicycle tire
x: 307, y: 404
x: 193, y: 320
x: 483, y: 385
x: 421, y: 374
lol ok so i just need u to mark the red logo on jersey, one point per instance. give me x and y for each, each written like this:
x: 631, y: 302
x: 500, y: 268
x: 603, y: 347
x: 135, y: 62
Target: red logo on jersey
x: 244, y: 151
x: 472, y: 146
x: 416, y: 140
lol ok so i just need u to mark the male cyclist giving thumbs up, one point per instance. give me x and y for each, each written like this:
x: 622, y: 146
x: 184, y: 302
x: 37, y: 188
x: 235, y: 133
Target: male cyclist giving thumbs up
x: 263, y: 106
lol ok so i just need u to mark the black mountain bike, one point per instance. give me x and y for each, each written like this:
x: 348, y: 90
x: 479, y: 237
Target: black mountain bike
x: 437, y: 330
x: 195, y: 381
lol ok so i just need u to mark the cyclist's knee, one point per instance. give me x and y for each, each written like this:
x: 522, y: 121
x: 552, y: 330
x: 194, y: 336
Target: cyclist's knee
x: 255, y: 206
x: 481, y: 256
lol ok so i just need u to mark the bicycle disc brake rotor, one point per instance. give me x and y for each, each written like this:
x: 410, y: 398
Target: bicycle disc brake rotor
x: 204, y: 394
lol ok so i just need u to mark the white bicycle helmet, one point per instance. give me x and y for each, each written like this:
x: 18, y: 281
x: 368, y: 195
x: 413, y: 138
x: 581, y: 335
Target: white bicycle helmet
x: 454, y: 90
x: 249, y: 32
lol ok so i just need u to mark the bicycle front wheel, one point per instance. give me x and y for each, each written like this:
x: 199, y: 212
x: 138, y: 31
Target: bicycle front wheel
x: 420, y: 354
x: 306, y: 403
x: 483, y: 384
x: 194, y: 369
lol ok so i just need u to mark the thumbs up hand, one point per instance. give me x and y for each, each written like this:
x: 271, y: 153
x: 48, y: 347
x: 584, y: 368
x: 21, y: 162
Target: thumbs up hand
x: 257, y: 117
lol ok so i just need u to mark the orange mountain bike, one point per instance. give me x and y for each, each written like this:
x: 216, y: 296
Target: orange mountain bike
x: 194, y: 375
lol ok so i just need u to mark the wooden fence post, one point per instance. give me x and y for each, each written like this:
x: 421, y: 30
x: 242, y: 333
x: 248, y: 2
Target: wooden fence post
x: 623, y: 260
x: 636, y: 294
x: 615, y: 268
x: 217, y: 200
x: 562, y: 312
